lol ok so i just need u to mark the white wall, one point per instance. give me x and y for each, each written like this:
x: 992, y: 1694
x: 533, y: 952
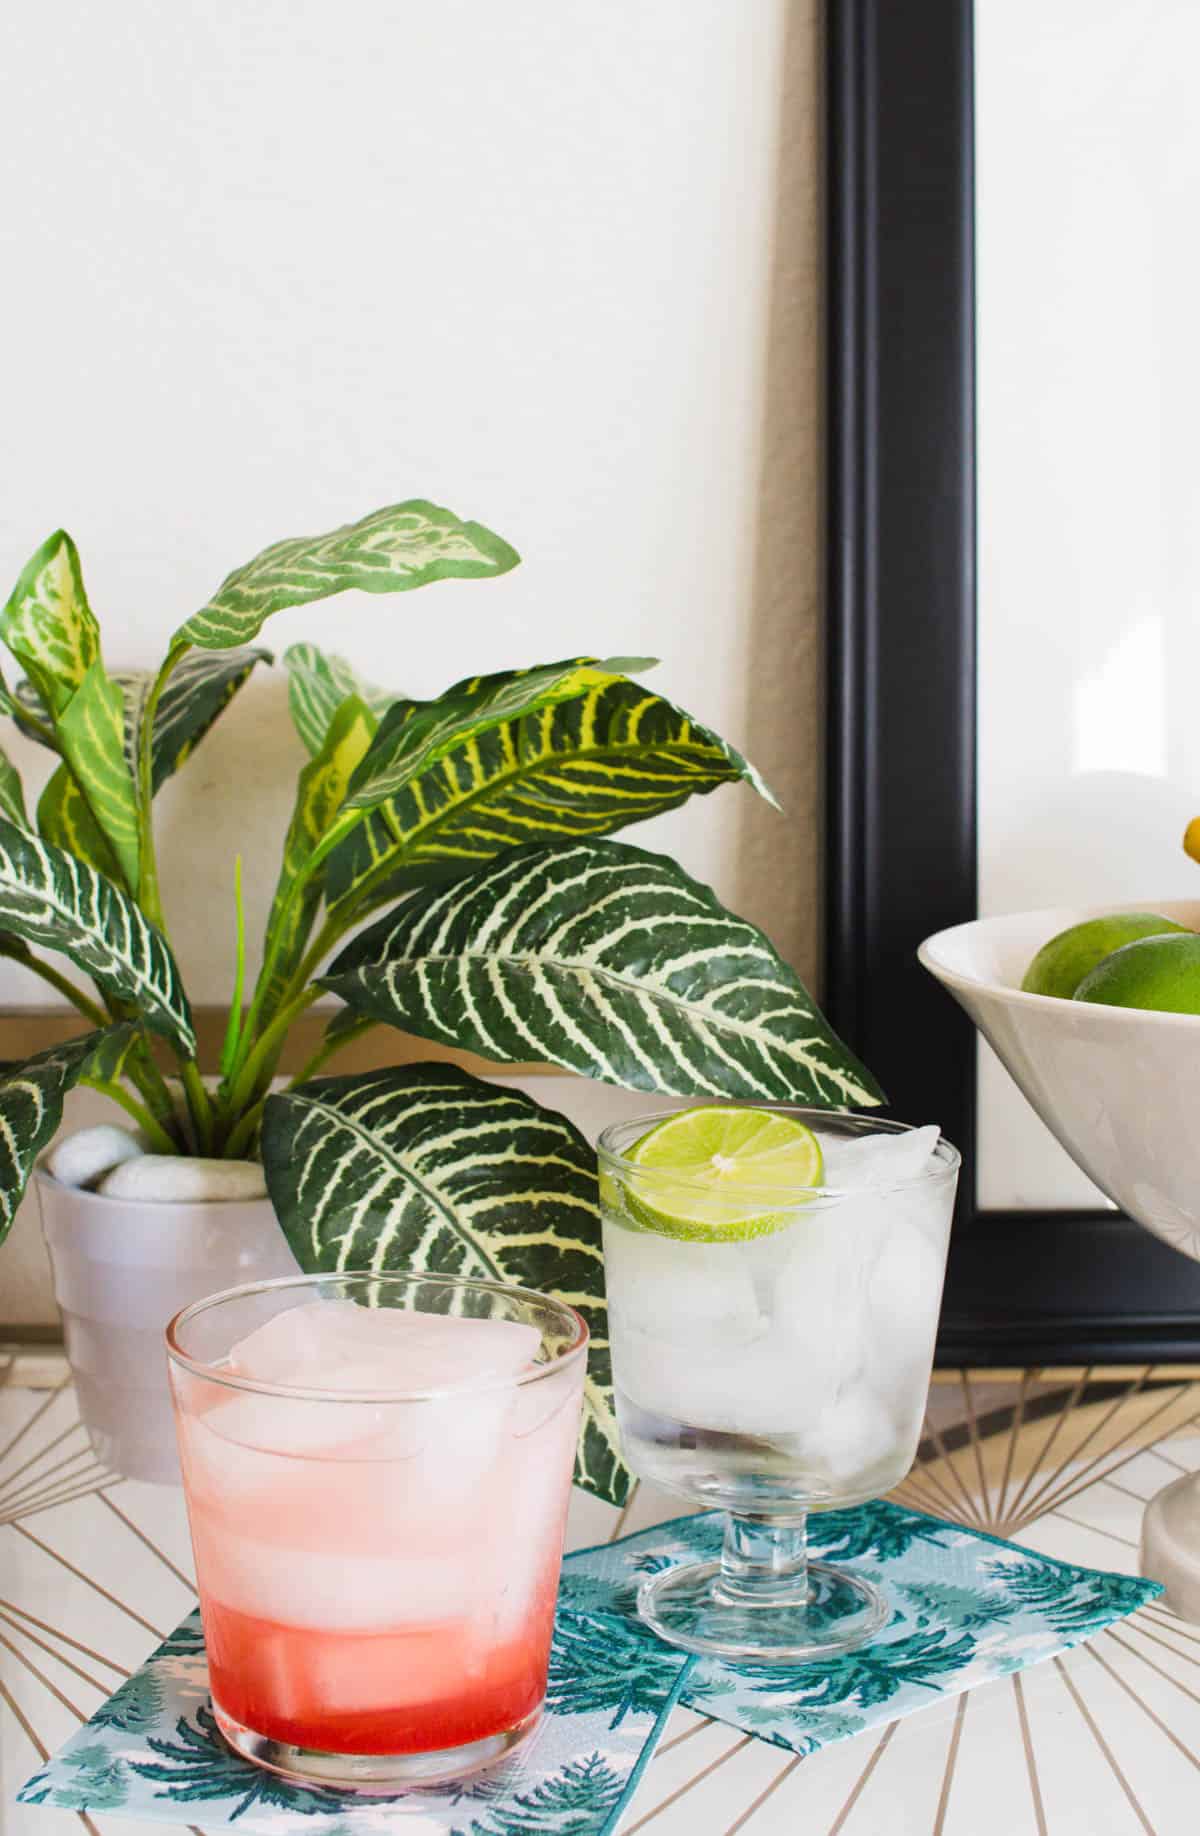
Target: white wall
x: 271, y: 266
x: 551, y: 263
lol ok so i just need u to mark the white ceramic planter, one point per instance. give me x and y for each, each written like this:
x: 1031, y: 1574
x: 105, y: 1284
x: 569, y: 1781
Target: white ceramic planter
x: 121, y: 1270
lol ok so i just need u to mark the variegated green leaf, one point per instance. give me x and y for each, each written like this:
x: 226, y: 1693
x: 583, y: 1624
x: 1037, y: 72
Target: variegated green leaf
x: 609, y: 961
x: 427, y: 1168
x: 113, y: 1046
x: 12, y: 794
x: 319, y: 796
x: 199, y: 688
x: 613, y: 755
x: 318, y: 683
x: 48, y: 624
x: 64, y: 819
x: 49, y: 897
x: 91, y: 732
x: 415, y: 735
x: 24, y: 705
x: 31, y: 1100
x: 401, y: 546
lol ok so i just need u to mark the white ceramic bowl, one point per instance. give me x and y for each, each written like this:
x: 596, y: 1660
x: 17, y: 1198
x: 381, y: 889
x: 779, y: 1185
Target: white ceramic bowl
x: 1118, y: 1086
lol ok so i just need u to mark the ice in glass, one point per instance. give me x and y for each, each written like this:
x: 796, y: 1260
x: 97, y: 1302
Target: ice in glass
x: 772, y: 1343
x: 377, y: 1474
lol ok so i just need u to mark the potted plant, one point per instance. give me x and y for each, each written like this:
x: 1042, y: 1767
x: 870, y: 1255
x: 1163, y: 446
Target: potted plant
x: 473, y: 828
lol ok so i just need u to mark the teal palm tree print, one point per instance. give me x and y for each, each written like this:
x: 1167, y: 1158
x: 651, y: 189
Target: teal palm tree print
x: 880, y: 1531
x: 135, y: 1706
x: 197, y: 1765
x: 100, y: 1781
x: 607, y: 1665
x: 574, y: 1802
x: 870, y: 1675
x: 1070, y: 1600
x: 942, y: 1602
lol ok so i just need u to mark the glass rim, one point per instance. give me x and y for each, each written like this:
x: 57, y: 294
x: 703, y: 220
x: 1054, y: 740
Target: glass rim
x: 233, y: 1380
x: 944, y: 1162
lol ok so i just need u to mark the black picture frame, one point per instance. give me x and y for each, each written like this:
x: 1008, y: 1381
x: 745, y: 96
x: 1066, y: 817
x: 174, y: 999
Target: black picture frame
x: 1022, y: 1286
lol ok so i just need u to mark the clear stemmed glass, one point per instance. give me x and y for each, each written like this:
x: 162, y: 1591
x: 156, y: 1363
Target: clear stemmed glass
x: 775, y: 1371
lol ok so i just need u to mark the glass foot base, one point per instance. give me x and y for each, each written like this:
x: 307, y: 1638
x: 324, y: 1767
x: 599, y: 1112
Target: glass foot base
x: 685, y: 1606
x: 371, y: 1772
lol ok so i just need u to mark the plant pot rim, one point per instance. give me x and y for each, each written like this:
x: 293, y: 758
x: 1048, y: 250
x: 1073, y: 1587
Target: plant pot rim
x: 44, y: 1178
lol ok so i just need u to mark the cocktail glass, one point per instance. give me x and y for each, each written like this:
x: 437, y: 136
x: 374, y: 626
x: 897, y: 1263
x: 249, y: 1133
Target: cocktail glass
x: 377, y: 1557
x: 776, y: 1370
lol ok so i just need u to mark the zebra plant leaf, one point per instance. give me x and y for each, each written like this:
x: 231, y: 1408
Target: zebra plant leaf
x: 48, y: 624
x: 415, y: 735
x: 50, y: 898
x: 64, y: 819
x: 12, y: 794
x: 31, y: 1101
x: 199, y: 688
x: 607, y: 960
x: 318, y: 683
x: 319, y: 796
x: 91, y: 732
x: 426, y: 1167
x: 401, y: 546
x: 30, y: 712
x: 611, y: 755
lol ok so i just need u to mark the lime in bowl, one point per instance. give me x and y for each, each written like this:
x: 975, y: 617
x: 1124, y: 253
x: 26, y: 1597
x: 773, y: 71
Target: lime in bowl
x: 774, y: 1280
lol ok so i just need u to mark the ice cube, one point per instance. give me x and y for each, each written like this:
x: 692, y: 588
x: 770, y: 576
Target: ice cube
x: 337, y: 1345
x: 820, y: 1297
x: 880, y: 1160
x: 681, y: 1292
x: 853, y: 1437
x: 247, y: 1443
x: 337, y: 1588
x: 905, y: 1297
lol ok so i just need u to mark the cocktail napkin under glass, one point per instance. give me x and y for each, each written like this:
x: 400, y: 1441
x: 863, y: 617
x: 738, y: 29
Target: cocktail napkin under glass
x: 967, y: 1608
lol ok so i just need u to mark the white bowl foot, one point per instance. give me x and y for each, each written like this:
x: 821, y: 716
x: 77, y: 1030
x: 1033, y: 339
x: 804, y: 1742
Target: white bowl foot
x: 1171, y: 1544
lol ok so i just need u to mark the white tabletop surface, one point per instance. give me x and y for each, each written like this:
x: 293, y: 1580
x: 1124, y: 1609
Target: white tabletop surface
x: 1101, y: 1742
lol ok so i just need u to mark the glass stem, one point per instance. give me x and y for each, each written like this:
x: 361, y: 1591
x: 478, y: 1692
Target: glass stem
x: 763, y: 1565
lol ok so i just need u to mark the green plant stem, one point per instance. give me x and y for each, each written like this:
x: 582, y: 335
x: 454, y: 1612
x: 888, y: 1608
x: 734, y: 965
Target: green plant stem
x: 229, y: 1049
x: 146, y: 1076
x: 247, y: 1127
x: 331, y: 933
x: 244, y: 1132
x: 142, y: 1072
x: 148, y: 893
x: 157, y: 1136
x: 199, y: 1105
x: 346, y: 821
x: 65, y: 986
x: 261, y: 1061
x: 29, y: 723
x: 329, y: 1048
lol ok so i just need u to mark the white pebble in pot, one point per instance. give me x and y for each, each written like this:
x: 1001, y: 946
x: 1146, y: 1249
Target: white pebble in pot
x: 84, y: 1157
x: 176, y: 1179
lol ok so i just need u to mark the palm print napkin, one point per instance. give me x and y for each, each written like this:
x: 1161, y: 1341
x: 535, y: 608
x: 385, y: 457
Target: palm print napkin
x: 966, y: 1608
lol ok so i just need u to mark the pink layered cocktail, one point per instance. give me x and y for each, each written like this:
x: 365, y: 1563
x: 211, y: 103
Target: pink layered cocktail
x: 377, y: 1473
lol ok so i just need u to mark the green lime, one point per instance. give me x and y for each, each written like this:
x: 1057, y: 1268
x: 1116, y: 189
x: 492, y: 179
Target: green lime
x: 708, y: 1173
x: 1060, y: 965
x: 1162, y: 973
